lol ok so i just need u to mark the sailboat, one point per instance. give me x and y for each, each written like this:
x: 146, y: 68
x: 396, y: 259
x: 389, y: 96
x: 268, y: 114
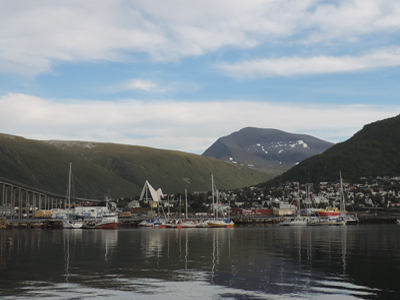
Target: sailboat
x: 218, y: 222
x: 342, y: 218
x: 187, y: 223
x: 348, y: 219
x: 69, y: 222
x: 298, y: 220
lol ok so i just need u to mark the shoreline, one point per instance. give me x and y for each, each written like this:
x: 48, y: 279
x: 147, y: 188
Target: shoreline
x: 134, y: 222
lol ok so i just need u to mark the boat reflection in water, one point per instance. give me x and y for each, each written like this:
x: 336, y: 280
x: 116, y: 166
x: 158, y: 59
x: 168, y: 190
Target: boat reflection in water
x: 242, y: 263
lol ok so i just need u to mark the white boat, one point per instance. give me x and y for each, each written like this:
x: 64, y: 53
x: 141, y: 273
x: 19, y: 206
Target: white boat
x: 70, y: 221
x: 72, y: 224
x: 174, y: 224
x: 333, y: 221
x: 151, y: 223
x: 188, y: 224
x: 202, y: 223
x: 351, y: 220
x: 298, y: 220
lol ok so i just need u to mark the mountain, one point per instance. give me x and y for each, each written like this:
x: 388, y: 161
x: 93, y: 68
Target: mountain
x: 270, y: 151
x: 372, y: 151
x: 101, y: 169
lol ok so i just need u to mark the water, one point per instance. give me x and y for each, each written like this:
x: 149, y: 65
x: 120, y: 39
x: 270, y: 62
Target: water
x: 359, y: 262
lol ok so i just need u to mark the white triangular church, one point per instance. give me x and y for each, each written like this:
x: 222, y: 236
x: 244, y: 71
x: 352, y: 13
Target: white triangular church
x: 150, y: 194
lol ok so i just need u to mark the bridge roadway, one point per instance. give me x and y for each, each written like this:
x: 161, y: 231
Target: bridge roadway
x: 15, y: 194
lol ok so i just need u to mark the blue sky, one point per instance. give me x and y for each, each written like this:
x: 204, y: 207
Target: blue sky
x: 179, y: 74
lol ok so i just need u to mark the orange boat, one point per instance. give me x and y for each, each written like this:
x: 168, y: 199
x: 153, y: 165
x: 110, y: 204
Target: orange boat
x: 328, y: 212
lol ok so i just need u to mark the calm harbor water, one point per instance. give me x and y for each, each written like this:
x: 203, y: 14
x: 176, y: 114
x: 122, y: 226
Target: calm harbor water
x: 353, y: 262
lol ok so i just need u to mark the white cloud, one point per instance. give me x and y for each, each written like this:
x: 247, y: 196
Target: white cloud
x: 35, y: 34
x: 151, y: 86
x: 185, y: 126
x: 141, y: 84
x: 288, y: 66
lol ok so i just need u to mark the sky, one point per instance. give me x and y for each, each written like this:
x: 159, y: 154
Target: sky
x: 177, y: 75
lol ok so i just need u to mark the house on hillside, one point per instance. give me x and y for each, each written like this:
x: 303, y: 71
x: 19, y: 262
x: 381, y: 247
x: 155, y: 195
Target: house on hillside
x: 134, y: 204
x: 284, y: 209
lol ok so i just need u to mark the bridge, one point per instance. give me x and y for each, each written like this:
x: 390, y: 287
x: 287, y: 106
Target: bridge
x: 28, y: 200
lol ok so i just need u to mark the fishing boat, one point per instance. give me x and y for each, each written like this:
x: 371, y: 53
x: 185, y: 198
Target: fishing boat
x: 109, y: 220
x: 328, y: 212
x: 70, y: 221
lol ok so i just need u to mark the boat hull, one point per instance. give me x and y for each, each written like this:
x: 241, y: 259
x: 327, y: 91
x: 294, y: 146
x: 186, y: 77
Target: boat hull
x: 109, y: 221
x: 323, y: 213
x: 220, y: 223
x: 333, y: 221
x: 298, y: 221
x: 109, y: 226
x: 72, y: 225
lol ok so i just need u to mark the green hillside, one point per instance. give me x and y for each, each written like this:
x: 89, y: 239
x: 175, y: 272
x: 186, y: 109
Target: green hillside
x: 46, y: 167
x: 373, y: 151
x: 101, y: 169
x: 172, y: 171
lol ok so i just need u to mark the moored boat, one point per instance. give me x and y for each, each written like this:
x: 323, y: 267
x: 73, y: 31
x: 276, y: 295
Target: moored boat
x: 298, y: 220
x: 189, y: 224
x: 351, y: 219
x: 328, y: 212
x: 333, y: 221
x: 108, y: 221
x: 69, y: 220
x: 220, y: 223
x: 72, y: 224
x: 216, y: 222
x: 152, y: 223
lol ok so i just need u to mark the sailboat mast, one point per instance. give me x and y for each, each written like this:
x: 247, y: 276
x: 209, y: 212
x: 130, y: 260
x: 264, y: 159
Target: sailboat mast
x: 180, y: 200
x: 216, y: 210
x: 212, y: 191
x: 69, y: 186
x: 298, y: 199
x: 342, y: 208
x: 186, y: 204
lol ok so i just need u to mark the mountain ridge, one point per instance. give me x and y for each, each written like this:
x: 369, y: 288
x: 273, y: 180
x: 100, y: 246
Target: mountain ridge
x: 268, y: 150
x: 372, y: 151
x: 120, y: 170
